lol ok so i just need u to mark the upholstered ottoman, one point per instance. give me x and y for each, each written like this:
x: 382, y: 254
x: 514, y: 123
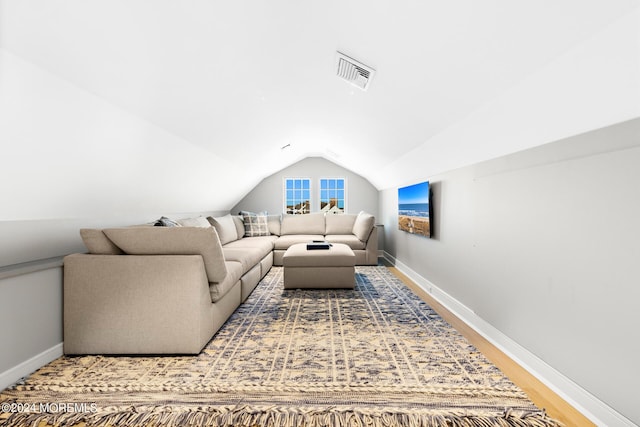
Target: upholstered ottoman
x: 320, y: 268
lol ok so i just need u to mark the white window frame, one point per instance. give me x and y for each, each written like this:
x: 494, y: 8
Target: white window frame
x: 344, y: 180
x: 285, y: 198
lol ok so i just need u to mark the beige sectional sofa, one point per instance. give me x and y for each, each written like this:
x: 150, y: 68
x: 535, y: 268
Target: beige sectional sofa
x: 167, y: 290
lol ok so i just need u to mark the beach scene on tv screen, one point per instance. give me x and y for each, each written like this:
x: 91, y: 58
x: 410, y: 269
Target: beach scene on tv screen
x: 413, y: 209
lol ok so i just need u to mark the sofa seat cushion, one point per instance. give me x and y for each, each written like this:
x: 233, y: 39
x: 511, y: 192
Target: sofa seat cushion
x: 348, y: 239
x: 264, y: 243
x: 218, y: 290
x: 284, y: 242
x: 247, y: 257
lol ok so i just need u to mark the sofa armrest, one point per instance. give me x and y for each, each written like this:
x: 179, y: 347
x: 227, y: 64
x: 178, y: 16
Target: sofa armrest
x: 129, y: 304
x: 372, y: 247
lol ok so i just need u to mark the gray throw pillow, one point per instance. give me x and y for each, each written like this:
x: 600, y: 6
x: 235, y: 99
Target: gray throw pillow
x: 255, y: 224
x: 166, y: 222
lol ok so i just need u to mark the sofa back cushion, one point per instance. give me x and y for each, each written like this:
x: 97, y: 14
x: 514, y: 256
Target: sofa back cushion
x: 174, y: 241
x: 198, y: 221
x: 340, y: 224
x: 225, y: 227
x: 363, y: 226
x: 239, y: 223
x: 273, y: 222
x: 302, y: 224
x: 98, y: 243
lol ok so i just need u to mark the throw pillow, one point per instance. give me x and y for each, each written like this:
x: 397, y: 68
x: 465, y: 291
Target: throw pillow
x: 166, y: 222
x: 255, y: 224
x: 363, y: 226
x: 225, y: 227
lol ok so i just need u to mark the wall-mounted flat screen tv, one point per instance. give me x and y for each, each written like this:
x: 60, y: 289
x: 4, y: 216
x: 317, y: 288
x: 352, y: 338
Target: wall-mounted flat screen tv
x: 413, y: 209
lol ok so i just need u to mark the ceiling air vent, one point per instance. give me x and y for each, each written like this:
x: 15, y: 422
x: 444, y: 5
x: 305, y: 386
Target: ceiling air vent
x: 353, y: 71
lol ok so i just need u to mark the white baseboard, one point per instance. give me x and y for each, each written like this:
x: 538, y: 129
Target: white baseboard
x: 590, y: 406
x: 9, y: 377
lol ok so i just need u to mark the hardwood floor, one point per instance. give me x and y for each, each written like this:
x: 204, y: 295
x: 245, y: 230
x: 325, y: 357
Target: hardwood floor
x: 539, y: 393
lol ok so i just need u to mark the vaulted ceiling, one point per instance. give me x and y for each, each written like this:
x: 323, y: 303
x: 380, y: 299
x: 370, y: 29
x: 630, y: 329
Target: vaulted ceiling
x: 242, y: 79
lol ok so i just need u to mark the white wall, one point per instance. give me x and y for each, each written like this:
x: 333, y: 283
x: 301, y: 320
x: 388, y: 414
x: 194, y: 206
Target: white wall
x: 543, y: 246
x: 70, y: 159
x: 595, y: 84
x: 268, y: 194
x: 31, y: 319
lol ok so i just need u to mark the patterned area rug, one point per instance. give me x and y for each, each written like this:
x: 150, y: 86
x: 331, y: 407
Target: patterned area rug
x: 374, y: 356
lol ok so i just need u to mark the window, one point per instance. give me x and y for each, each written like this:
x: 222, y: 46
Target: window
x: 332, y: 195
x: 297, y: 196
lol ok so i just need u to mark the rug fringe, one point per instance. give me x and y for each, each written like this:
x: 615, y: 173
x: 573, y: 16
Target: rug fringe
x: 277, y: 417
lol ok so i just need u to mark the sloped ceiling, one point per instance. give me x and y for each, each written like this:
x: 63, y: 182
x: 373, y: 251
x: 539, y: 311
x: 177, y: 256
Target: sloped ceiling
x: 242, y: 79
